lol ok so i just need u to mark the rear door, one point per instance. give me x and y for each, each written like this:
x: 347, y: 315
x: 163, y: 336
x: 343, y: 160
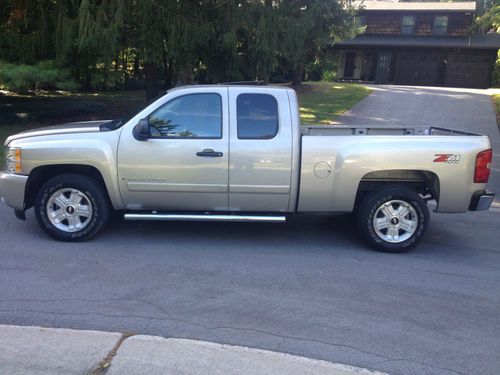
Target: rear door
x: 260, y: 147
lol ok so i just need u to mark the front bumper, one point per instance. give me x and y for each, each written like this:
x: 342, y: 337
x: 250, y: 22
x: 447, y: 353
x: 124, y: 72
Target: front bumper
x: 481, y: 201
x: 12, y: 189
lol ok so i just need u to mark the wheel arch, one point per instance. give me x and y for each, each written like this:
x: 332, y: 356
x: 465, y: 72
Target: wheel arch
x: 421, y: 181
x: 39, y: 175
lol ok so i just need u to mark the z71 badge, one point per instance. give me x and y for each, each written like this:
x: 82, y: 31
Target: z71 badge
x: 447, y: 158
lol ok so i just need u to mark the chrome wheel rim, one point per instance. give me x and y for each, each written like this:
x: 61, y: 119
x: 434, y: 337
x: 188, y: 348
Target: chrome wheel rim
x: 395, y: 221
x: 69, y: 210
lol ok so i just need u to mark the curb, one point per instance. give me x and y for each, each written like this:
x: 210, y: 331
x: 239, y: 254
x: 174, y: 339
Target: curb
x: 38, y: 350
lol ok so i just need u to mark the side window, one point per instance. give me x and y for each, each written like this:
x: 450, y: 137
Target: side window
x: 440, y: 26
x: 188, y: 116
x: 257, y: 116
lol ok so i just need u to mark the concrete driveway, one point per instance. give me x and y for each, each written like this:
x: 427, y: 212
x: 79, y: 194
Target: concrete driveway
x: 308, y: 287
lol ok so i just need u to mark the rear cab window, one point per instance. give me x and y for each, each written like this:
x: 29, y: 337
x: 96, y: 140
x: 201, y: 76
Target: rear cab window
x: 257, y: 116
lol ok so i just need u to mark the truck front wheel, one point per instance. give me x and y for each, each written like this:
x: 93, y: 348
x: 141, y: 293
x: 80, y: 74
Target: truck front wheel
x: 393, y: 219
x: 72, y: 207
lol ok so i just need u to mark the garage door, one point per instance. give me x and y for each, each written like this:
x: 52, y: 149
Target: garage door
x: 468, y: 71
x: 417, y: 69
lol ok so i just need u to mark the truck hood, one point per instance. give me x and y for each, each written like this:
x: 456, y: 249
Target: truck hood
x: 68, y: 128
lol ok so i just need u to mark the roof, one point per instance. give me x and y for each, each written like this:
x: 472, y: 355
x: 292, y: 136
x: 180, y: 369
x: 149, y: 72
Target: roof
x: 487, y: 41
x: 416, y: 7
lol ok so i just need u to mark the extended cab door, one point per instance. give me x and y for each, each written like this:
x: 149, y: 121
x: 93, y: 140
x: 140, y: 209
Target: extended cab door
x: 260, y: 144
x: 184, y: 163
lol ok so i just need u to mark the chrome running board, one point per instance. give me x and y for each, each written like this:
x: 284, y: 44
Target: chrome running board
x: 204, y: 217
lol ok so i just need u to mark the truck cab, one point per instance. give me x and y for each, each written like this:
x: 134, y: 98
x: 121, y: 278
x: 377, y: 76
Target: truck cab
x: 212, y: 148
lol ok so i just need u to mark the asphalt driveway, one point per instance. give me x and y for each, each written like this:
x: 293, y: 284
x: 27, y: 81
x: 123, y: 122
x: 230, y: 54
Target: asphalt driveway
x: 409, y: 106
x: 308, y: 287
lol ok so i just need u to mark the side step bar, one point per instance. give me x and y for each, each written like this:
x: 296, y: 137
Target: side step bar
x: 204, y: 217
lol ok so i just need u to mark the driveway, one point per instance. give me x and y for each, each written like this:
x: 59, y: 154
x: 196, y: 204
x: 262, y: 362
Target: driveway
x: 308, y: 287
x: 409, y: 106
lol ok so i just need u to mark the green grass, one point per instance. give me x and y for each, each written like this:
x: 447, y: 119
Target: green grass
x: 496, y: 104
x: 322, y: 102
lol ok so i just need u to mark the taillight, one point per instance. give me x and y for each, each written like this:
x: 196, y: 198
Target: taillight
x: 482, y: 171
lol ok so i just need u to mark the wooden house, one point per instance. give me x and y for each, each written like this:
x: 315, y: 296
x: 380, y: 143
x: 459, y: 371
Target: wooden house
x: 418, y: 44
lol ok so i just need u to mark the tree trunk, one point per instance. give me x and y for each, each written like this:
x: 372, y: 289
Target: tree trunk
x: 167, y: 71
x: 185, y: 76
x: 88, y: 78
x: 136, y: 67
x: 297, y: 75
x: 151, y: 78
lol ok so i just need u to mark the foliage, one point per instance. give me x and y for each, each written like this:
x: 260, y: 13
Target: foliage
x: 105, y: 44
x: 42, y: 75
x: 489, y: 21
x: 496, y: 72
x: 329, y: 75
x: 496, y: 104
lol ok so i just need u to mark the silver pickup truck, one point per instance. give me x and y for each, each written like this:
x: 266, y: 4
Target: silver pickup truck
x: 239, y: 153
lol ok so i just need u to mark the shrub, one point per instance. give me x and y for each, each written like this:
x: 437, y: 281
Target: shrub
x: 314, y: 71
x: 43, y: 75
x: 496, y: 72
x: 329, y: 75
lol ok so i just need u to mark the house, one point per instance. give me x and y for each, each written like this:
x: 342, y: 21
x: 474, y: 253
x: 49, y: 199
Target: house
x: 426, y: 43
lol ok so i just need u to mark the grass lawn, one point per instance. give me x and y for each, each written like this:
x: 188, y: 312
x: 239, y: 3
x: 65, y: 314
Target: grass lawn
x: 496, y: 104
x: 320, y: 103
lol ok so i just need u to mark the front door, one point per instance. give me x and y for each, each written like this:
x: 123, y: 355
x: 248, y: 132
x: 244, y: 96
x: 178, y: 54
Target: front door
x: 260, y: 167
x: 350, y: 59
x: 183, y: 166
x: 383, y: 67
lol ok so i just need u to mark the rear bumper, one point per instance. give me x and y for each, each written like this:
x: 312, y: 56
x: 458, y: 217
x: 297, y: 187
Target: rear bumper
x: 12, y: 188
x: 481, y: 201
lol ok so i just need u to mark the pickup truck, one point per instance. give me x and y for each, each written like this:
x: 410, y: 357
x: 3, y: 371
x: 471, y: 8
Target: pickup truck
x: 239, y: 153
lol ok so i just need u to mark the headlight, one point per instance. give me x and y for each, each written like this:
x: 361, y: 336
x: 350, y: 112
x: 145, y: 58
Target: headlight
x: 13, y: 159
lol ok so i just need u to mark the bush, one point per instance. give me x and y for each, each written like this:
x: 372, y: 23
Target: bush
x: 43, y: 75
x: 314, y: 71
x: 496, y: 72
x: 329, y: 75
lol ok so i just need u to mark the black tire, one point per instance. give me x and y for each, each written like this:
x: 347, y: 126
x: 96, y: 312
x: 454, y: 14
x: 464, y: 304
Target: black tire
x: 369, y: 207
x: 95, y: 196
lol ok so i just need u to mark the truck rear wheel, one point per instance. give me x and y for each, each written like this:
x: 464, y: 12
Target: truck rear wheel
x: 72, y: 207
x: 393, y: 219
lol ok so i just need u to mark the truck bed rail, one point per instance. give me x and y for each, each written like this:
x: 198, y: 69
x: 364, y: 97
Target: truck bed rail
x: 339, y: 130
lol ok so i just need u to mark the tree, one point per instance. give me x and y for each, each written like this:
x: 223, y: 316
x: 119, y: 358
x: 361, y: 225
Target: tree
x: 309, y: 26
x: 489, y: 21
x: 104, y: 42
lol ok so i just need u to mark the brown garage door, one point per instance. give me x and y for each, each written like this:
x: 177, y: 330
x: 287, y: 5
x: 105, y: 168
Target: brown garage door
x: 468, y: 71
x: 417, y: 69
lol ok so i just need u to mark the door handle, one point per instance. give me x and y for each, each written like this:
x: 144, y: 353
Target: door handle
x: 209, y: 153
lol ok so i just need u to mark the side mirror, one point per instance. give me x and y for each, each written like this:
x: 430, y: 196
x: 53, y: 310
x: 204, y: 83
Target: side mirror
x: 141, y: 130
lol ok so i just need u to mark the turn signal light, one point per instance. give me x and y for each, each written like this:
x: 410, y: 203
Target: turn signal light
x: 13, y: 160
x: 482, y: 171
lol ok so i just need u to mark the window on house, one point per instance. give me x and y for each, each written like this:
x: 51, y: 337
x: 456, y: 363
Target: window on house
x: 440, y: 25
x: 408, y: 27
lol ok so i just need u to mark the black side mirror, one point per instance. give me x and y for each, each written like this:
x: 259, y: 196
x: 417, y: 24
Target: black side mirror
x: 141, y: 130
